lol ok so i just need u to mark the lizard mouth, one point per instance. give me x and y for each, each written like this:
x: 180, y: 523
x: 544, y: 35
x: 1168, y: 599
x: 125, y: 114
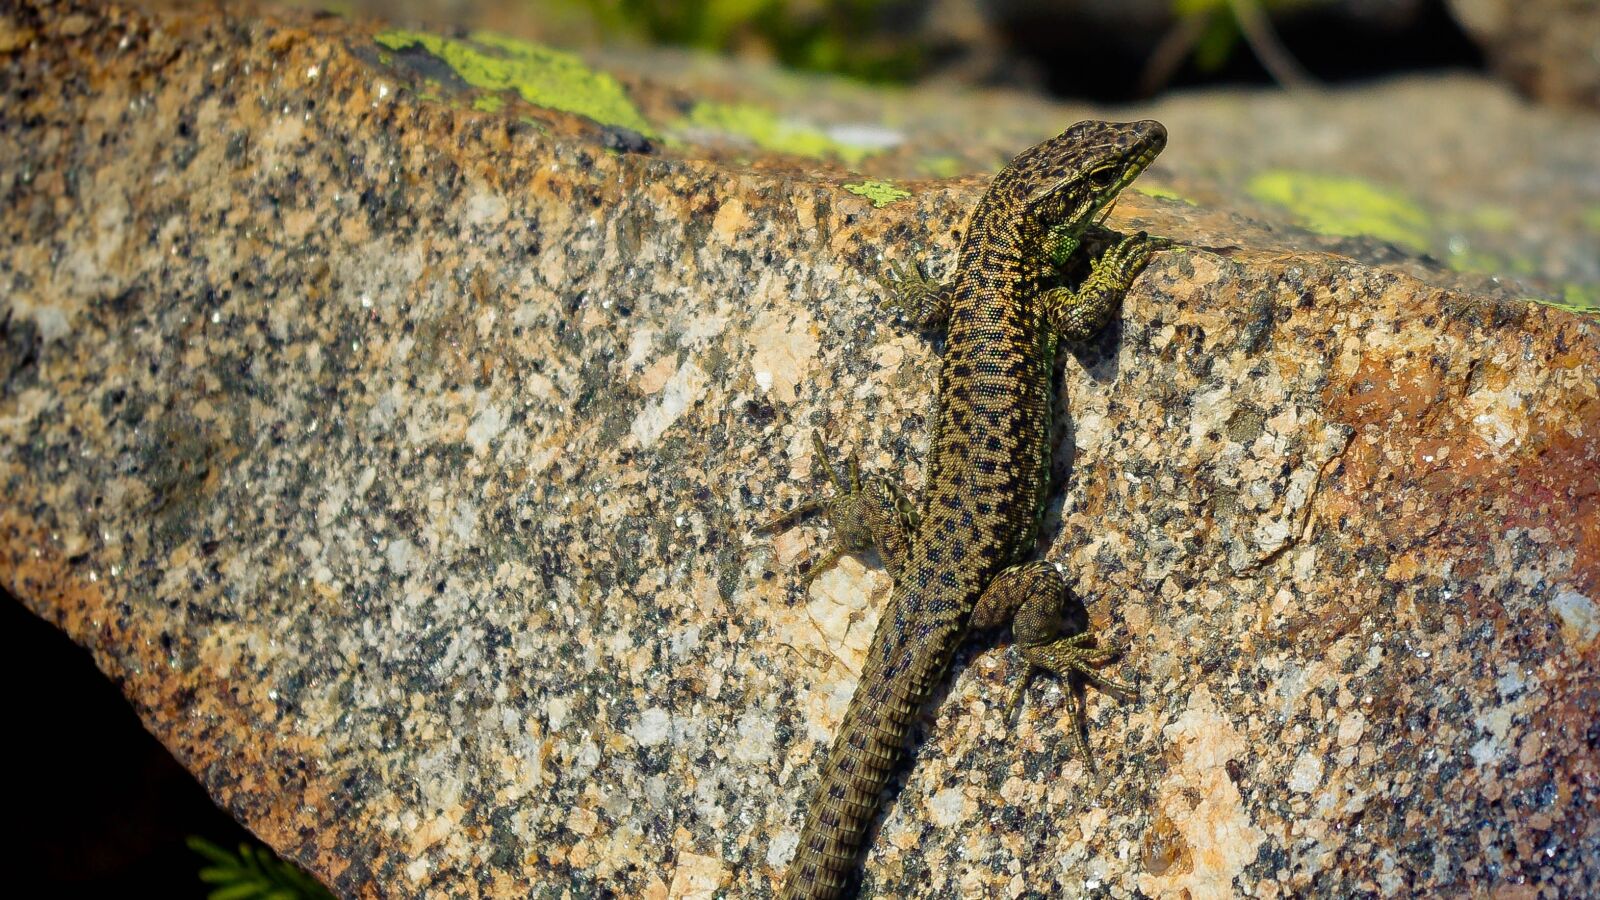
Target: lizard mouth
x: 1099, y: 206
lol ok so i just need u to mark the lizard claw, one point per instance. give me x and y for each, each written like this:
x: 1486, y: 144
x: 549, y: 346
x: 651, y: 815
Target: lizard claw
x: 1020, y: 692
x: 782, y: 520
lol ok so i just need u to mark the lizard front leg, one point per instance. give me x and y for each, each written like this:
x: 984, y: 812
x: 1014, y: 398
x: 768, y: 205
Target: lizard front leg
x: 1033, y: 597
x: 1077, y: 313
x: 865, y: 512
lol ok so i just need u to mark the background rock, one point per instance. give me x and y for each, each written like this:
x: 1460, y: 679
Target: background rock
x: 1550, y: 50
x: 389, y: 415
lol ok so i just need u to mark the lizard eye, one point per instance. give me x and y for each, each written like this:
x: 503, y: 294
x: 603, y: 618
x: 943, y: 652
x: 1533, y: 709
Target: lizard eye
x: 1103, y: 177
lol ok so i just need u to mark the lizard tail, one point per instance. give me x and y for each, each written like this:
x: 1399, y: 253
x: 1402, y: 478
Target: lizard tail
x: 859, y: 765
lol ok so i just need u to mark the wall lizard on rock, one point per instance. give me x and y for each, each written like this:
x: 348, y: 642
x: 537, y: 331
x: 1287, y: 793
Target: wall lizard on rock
x: 959, y: 562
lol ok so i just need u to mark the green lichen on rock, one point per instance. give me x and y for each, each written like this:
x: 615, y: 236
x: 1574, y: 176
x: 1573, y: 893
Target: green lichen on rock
x: 1462, y: 256
x: 765, y: 129
x: 1580, y: 298
x: 1344, y: 207
x: 541, y: 76
x: 1490, y: 217
x: 940, y: 166
x: 881, y: 193
x: 432, y: 92
x: 1162, y: 193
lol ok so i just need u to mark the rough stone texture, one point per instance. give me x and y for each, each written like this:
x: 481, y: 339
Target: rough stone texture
x: 1549, y: 49
x: 399, y: 461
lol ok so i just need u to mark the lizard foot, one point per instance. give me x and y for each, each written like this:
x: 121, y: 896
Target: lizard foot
x: 1065, y: 657
x: 1034, y: 596
x: 1078, y: 313
x: 914, y: 296
x: 1118, y: 266
x: 864, y: 513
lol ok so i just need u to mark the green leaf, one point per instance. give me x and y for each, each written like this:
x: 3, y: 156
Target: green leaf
x: 1216, y: 43
x: 219, y: 875
x: 256, y: 873
x: 211, y: 851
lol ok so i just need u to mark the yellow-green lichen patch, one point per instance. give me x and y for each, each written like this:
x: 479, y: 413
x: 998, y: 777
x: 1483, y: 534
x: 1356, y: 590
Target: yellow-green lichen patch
x: 431, y: 92
x: 765, y: 129
x: 489, y: 103
x: 1583, y: 298
x: 1462, y: 257
x: 940, y: 166
x: 1591, y: 218
x: 1162, y: 193
x: 881, y: 193
x: 1344, y: 207
x: 541, y: 76
x: 1491, y: 218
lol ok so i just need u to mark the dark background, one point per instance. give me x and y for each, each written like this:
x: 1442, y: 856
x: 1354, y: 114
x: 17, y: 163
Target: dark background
x: 102, y: 810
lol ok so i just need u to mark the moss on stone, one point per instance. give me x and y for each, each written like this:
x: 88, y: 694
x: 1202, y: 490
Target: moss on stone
x: 541, y: 76
x: 1344, y: 207
x: 940, y: 166
x: 1491, y: 218
x: 765, y: 129
x: 1162, y: 193
x: 1584, y: 298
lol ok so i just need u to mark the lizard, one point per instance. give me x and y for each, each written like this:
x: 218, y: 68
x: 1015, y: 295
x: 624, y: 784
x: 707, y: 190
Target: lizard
x: 960, y: 562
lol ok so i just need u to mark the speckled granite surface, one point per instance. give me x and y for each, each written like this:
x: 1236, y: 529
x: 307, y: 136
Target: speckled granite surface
x: 399, y: 459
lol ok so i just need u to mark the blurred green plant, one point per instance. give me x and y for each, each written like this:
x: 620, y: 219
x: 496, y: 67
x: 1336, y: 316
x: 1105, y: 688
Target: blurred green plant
x: 858, y: 38
x: 255, y: 873
x: 1209, y: 31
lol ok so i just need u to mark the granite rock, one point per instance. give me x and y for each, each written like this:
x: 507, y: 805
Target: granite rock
x: 397, y: 452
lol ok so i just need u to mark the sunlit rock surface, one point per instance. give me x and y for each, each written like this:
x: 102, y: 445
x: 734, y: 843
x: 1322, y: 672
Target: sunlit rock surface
x: 389, y: 415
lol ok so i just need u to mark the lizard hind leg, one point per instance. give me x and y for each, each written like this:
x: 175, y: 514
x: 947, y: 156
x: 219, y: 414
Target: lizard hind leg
x: 917, y: 298
x: 864, y: 511
x: 1033, y: 596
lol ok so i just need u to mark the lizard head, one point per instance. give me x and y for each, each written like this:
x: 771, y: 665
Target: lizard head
x: 1066, y: 183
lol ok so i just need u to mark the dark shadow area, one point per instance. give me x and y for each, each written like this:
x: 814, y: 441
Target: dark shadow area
x: 1081, y: 59
x: 103, y: 808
